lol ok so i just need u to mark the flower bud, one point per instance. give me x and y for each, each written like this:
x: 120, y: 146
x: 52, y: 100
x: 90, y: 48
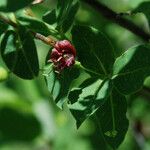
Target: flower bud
x: 63, y: 55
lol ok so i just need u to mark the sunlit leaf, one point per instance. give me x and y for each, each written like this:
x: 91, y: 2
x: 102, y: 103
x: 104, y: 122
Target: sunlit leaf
x: 88, y: 98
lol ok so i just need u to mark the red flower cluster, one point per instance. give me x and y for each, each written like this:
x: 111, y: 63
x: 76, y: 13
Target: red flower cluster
x: 63, y: 55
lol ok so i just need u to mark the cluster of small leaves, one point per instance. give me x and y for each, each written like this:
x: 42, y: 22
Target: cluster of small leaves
x: 97, y: 84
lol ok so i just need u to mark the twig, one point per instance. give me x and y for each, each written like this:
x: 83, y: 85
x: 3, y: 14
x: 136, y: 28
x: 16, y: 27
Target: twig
x: 46, y: 40
x: 8, y: 21
x: 118, y: 19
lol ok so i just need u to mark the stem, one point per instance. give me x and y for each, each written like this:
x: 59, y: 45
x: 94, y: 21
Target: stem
x: 112, y: 112
x: 46, y: 40
x: 118, y: 19
x: 101, y: 64
x: 8, y: 21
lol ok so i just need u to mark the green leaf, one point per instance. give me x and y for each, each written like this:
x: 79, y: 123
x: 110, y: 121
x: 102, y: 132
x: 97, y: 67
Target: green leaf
x: 88, y: 98
x: 18, y: 126
x: 59, y: 84
x: 112, y: 121
x: 131, y: 68
x: 144, y: 7
x: 13, y: 5
x: 35, y: 25
x: 63, y: 15
x: 66, y: 14
x: 3, y: 27
x: 94, y: 50
x: 18, y: 51
x: 50, y: 17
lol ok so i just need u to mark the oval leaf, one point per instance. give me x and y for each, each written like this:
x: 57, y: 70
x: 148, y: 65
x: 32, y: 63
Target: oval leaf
x: 94, y: 50
x: 19, y: 54
x: 112, y: 121
x: 131, y: 68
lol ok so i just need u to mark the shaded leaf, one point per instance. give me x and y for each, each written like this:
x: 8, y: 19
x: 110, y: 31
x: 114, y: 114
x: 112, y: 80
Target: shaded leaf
x: 35, y: 25
x: 18, y: 126
x: 66, y: 13
x: 50, y: 17
x: 94, y: 50
x: 19, y: 53
x: 131, y: 68
x: 63, y: 15
x: 13, y: 5
x: 112, y: 121
x: 3, y: 27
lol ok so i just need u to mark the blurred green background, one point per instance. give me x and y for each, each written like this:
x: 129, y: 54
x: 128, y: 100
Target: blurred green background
x: 29, y: 119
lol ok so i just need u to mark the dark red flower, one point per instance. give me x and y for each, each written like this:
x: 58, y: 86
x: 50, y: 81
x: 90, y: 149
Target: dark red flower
x: 63, y: 55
